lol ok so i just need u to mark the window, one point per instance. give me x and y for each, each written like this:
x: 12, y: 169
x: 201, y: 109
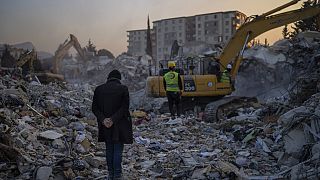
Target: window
x: 199, y: 32
x: 227, y: 23
x: 180, y: 20
x: 215, y: 16
x: 226, y: 15
x: 226, y: 30
x: 199, y: 25
x: 227, y: 37
x: 159, y: 30
x: 199, y: 18
x: 215, y: 23
x: 180, y: 34
x: 173, y: 21
x: 220, y: 39
x: 165, y: 22
x: 159, y: 49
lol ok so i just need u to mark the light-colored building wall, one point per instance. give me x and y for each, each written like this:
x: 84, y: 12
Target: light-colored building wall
x: 212, y: 28
x: 137, y: 40
x: 167, y: 31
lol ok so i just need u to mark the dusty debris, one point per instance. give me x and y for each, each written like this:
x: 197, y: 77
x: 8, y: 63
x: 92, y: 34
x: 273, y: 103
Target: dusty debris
x: 50, y: 131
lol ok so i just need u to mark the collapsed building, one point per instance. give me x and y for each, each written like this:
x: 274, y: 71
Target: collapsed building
x: 46, y: 134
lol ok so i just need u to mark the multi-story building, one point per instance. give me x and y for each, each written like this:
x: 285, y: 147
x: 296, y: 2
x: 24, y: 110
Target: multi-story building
x: 137, y: 40
x: 211, y: 29
x: 216, y: 28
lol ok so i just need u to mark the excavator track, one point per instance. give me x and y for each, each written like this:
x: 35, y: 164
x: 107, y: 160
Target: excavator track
x: 218, y: 111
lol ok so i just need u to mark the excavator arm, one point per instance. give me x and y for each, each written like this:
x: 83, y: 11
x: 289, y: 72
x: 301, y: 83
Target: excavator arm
x: 233, y: 51
x: 27, y: 57
x: 63, y: 50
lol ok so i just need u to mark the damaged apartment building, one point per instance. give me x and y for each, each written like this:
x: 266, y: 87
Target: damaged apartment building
x: 190, y: 32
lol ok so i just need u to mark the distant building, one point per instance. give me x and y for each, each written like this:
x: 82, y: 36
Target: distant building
x: 212, y: 28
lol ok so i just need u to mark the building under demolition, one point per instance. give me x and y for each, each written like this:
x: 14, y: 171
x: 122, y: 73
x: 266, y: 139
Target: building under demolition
x: 212, y: 29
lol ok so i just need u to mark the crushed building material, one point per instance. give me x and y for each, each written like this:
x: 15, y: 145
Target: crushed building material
x: 48, y: 131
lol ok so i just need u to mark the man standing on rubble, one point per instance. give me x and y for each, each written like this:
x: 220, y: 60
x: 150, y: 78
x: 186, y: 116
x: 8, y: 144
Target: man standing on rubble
x: 111, y: 107
x: 173, y: 86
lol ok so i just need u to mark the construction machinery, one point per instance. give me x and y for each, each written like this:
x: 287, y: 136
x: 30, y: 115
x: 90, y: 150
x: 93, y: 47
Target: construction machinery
x: 63, y: 50
x: 29, y: 57
x: 206, y: 89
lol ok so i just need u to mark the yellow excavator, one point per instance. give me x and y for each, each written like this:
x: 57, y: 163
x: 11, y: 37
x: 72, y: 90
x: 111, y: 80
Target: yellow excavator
x: 63, y: 50
x: 206, y: 89
x: 59, y: 54
x: 29, y: 57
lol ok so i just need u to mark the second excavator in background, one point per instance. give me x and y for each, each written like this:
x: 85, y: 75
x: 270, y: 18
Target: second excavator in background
x: 63, y: 50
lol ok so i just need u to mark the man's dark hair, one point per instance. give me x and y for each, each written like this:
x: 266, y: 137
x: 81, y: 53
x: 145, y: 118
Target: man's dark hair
x: 114, y: 74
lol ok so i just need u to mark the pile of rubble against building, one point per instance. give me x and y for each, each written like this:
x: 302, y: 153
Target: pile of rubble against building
x: 134, y: 70
x: 277, y: 67
x: 48, y: 131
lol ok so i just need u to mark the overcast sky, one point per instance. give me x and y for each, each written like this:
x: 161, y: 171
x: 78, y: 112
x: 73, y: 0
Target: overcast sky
x: 47, y: 23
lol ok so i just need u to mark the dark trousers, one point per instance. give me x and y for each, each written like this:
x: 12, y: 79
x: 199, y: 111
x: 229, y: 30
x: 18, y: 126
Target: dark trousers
x: 174, y: 98
x: 114, y: 159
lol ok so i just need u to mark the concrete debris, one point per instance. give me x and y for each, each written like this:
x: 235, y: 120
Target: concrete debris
x: 48, y: 131
x: 44, y: 173
x: 52, y: 135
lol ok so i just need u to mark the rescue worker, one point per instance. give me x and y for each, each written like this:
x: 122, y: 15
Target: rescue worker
x: 226, y: 77
x: 173, y: 86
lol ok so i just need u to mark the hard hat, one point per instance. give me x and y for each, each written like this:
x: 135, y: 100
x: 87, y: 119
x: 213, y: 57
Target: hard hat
x: 171, y: 64
x: 229, y: 66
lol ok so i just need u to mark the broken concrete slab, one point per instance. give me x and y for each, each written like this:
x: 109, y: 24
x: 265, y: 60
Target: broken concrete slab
x: 287, y: 119
x: 44, y: 173
x: 50, y: 134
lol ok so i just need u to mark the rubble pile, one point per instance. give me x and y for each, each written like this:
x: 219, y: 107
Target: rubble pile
x: 49, y: 132
x: 281, y: 69
x: 271, y: 141
x: 134, y: 71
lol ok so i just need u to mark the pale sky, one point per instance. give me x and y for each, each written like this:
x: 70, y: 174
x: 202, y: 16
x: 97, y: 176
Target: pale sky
x: 47, y: 23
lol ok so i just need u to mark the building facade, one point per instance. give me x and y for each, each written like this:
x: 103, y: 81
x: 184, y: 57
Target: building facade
x: 212, y: 29
x: 137, y: 40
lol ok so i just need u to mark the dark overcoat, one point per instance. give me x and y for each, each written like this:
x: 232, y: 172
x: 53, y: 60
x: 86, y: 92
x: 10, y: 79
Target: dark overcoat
x: 111, y: 100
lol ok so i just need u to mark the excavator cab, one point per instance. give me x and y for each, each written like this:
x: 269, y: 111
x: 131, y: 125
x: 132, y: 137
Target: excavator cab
x: 203, y: 88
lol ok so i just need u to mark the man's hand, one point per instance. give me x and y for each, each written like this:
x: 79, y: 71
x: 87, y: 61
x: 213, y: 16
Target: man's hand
x: 107, y: 122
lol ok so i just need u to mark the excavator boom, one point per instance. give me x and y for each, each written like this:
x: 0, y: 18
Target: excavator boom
x: 63, y: 50
x: 256, y: 27
x: 28, y: 57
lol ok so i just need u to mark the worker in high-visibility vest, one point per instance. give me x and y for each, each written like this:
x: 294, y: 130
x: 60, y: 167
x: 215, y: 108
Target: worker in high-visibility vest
x: 173, y: 86
x: 226, y: 77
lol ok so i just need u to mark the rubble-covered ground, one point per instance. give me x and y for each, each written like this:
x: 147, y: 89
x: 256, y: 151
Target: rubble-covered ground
x: 49, y: 132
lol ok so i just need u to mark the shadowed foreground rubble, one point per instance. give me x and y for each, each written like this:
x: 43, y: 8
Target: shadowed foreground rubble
x: 49, y: 132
